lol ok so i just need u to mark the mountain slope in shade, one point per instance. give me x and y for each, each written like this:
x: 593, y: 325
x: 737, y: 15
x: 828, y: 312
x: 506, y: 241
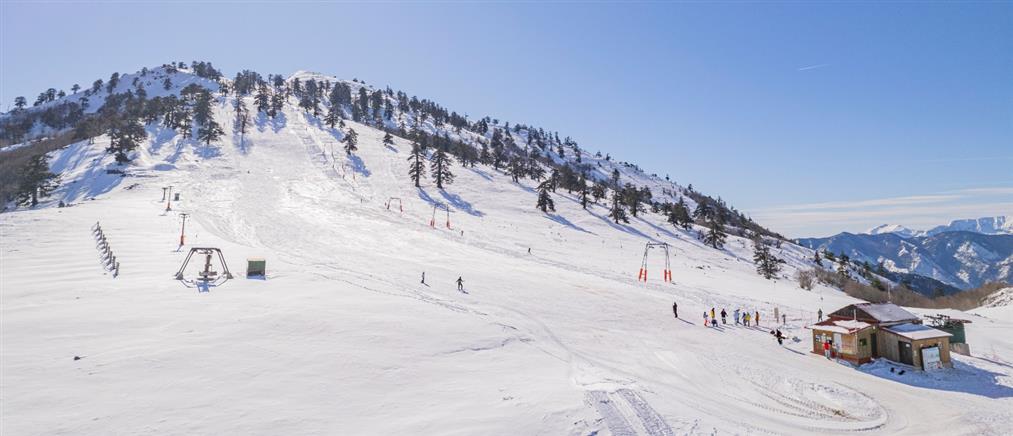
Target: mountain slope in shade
x: 961, y: 259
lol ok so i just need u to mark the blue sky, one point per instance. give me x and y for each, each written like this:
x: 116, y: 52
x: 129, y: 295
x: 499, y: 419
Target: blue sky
x: 814, y: 118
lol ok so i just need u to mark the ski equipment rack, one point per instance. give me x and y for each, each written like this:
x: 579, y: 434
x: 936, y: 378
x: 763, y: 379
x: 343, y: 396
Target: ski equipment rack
x: 667, y: 274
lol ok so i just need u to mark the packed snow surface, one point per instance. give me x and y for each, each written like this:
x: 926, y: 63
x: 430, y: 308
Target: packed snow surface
x: 342, y: 337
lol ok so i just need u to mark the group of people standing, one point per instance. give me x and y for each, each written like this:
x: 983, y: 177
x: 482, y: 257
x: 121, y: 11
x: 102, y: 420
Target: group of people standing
x: 739, y: 317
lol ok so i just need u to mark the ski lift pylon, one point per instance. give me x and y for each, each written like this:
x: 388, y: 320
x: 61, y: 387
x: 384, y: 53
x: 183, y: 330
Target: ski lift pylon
x: 667, y: 273
x: 400, y: 204
x: 432, y: 221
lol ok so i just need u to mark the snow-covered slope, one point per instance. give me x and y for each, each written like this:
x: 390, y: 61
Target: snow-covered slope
x: 343, y: 338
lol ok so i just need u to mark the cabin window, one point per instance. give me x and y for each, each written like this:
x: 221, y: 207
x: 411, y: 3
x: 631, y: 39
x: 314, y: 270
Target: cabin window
x: 863, y: 342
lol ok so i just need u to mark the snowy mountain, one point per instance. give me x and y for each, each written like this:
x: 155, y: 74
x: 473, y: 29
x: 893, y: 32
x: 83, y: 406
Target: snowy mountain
x: 551, y: 333
x: 961, y: 259
x: 895, y: 229
x: 998, y: 225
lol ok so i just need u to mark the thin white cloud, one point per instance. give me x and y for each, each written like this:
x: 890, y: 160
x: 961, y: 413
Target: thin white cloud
x: 917, y: 211
x: 812, y: 67
x: 880, y: 202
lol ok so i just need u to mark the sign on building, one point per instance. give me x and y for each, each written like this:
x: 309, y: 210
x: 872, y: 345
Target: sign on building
x: 930, y: 359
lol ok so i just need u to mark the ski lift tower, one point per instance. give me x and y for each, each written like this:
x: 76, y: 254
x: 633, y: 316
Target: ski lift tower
x: 432, y: 222
x: 667, y: 273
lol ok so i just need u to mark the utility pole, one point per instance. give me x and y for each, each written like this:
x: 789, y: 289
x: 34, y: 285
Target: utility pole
x: 164, y: 188
x: 168, y: 202
x: 182, y: 230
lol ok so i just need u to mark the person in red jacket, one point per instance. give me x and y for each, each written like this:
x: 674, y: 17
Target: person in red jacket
x: 826, y: 349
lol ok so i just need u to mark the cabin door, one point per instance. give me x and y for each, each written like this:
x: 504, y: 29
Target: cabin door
x: 875, y: 345
x: 905, y: 352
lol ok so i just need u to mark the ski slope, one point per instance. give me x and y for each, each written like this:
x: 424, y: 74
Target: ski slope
x: 342, y: 338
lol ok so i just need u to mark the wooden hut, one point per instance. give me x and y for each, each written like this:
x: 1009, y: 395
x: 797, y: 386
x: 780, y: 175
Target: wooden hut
x: 861, y: 332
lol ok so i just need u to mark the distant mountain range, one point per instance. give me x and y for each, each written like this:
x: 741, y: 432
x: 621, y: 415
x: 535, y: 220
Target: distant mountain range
x: 997, y: 225
x: 964, y: 259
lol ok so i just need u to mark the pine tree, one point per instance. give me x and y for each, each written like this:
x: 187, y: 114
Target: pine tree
x: 679, y: 216
x: 545, y: 203
x: 439, y: 167
x: 351, y: 139
x: 277, y: 104
x: 515, y: 168
x: 598, y: 191
x: 767, y: 265
x: 715, y: 236
x: 263, y: 99
x: 20, y: 103
x: 209, y: 132
x: 36, y: 181
x: 416, y: 164
x: 617, y: 212
x: 125, y: 134
x: 583, y: 191
x: 703, y: 212
x: 242, y: 119
x: 388, y: 139
x: 333, y: 116
x: 633, y: 199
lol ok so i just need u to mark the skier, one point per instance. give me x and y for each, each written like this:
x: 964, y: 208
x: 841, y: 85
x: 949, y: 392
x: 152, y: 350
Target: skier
x: 675, y: 309
x: 757, y: 322
x: 784, y: 319
x: 460, y: 284
x: 819, y: 315
x: 705, y: 321
x: 423, y: 277
x: 745, y: 319
x: 826, y: 349
x: 712, y: 313
x: 724, y: 317
x: 780, y: 337
x: 529, y: 250
x: 737, y: 317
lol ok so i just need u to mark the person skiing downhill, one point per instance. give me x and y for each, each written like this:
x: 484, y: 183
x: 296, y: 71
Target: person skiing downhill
x: 675, y: 309
x: 724, y: 317
x: 819, y: 315
x: 460, y: 284
x: 423, y: 277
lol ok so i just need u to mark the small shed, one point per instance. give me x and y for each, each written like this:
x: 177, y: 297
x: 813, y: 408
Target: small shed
x: 917, y: 345
x: 955, y: 327
x: 256, y: 267
x: 850, y: 340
